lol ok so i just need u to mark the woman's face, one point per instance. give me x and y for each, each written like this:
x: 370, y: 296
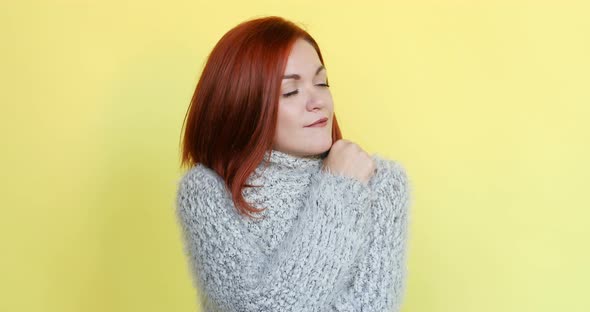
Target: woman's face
x: 304, y: 99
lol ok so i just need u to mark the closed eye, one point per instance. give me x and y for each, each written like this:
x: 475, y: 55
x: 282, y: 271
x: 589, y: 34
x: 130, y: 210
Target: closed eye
x: 290, y: 93
x: 296, y: 91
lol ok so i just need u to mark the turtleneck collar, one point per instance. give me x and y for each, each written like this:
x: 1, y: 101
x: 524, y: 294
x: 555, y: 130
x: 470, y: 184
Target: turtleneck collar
x: 283, y: 160
x: 283, y: 173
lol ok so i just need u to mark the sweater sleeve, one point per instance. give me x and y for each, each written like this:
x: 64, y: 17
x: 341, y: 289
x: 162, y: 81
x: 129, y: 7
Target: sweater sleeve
x: 379, y: 280
x: 230, y: 269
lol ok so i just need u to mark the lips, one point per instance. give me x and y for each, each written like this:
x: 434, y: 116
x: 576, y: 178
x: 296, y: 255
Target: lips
x: 318, y: 121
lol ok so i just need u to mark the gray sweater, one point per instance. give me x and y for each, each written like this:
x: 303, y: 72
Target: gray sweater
x: 326, y: 242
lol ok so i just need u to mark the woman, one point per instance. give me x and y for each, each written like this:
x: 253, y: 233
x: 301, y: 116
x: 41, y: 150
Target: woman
x: 329, y: 229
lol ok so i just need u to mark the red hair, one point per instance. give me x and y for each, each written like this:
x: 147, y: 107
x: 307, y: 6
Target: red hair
x: 232, y: 116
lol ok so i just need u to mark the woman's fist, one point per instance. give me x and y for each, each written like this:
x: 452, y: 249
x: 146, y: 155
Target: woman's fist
x: 351, y: 160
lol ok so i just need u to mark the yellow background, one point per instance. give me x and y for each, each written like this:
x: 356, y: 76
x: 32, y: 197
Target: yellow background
x: 486, y: 103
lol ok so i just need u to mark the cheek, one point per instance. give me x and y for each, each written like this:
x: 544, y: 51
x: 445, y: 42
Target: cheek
x: 330, y: 102
x: 288, y: 119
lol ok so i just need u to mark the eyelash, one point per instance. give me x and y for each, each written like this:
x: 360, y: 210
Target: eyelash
x: 295, y: 92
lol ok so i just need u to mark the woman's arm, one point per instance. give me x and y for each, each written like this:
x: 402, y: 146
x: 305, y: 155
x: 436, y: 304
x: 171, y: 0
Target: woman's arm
x: 232, y: 271
x: 378, y: 283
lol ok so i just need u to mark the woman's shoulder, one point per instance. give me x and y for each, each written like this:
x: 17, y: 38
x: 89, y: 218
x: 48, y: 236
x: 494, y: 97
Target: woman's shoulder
x: 385, y: 163
x: 390, y: 174
x: 200, y: 184
x: 200, y: 177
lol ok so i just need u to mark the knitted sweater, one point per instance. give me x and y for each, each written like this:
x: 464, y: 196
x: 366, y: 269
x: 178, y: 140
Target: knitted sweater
x: 326, y: 242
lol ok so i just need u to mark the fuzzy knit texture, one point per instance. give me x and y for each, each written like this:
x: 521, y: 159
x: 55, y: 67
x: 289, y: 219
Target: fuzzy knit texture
x: 326, y: 242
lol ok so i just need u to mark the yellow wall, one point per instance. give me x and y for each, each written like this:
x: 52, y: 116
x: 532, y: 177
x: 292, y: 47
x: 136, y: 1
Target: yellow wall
x: 485, y: 102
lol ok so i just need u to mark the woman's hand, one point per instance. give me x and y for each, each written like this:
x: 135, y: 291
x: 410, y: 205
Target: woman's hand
x: 351, y: 160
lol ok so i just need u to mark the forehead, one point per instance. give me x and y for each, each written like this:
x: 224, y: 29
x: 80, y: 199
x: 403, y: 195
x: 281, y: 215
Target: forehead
x: 303, y: 58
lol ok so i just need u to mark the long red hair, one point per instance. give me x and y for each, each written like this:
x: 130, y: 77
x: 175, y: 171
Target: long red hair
x: 232, y: 116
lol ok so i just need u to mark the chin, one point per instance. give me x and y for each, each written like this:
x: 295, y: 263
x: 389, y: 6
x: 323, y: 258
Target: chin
x: 325, y: 146
x: 321, y: 144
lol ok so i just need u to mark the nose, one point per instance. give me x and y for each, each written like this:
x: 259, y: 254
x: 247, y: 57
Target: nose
x: 316, y: 98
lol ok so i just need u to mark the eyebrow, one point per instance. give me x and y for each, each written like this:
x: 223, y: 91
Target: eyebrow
x: 297, y: 77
